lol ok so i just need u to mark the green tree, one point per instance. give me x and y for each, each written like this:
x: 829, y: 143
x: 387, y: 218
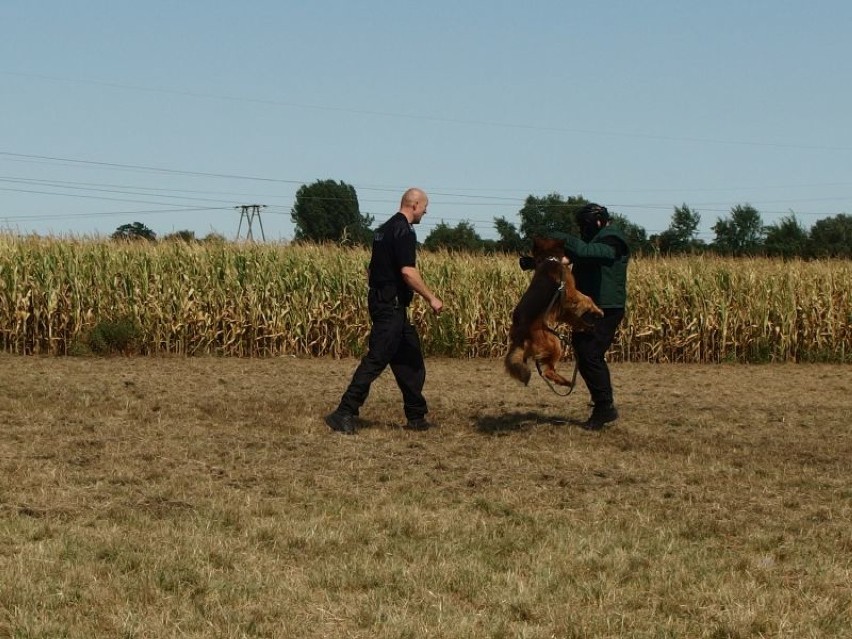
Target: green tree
x: 832, y: 236
x: 461, y: 238
x: 543, y: 215
x: 637, y: 237
x: 741, y: 233
x: 328, y: 211
x: 181, y: 236
x: 680, y: 237
x: 787, y: 238
x: 214, y: 238
x: 134, y: 231
x: 510, y: 240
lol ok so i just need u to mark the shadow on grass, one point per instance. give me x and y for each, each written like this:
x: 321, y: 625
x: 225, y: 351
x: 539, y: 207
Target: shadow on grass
x: 517, y: 422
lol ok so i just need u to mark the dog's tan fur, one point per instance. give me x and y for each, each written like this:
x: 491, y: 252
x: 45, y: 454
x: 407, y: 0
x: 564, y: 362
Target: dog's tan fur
x: 529, y: 336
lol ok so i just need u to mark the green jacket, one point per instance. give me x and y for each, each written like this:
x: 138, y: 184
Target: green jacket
x: 600, y: 266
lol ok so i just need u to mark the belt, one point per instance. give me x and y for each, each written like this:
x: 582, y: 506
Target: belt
x: 393, y: 300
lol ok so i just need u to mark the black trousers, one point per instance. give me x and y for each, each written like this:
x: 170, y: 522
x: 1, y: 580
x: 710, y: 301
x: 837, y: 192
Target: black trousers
x: 393, y: 341
x: 590, y: 349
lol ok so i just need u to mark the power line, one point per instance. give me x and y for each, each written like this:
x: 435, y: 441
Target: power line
x: 65, y: 216
x: 87, y: 197
x: 97, y: 190
x: 456, y: 199
x: 427, y: 223
x: 154, y: 169
x: 70, y: 186
x: 491, y: 199
x: 431, y: 118
x: 97, y: 186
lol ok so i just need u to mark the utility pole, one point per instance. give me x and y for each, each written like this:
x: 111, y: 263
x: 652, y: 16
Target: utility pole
x: 250, y: 212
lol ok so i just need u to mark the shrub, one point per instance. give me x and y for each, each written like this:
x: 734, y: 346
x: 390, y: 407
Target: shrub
x: 115, y: 336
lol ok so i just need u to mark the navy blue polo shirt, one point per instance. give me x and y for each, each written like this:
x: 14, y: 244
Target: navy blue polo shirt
x: 394, y: 247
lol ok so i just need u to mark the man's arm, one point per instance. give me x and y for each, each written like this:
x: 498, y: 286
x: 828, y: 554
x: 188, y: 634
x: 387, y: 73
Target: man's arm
x: 577, y: 249
x: 413, y: 279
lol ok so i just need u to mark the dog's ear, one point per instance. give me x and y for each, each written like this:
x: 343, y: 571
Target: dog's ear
x: 536, y: 246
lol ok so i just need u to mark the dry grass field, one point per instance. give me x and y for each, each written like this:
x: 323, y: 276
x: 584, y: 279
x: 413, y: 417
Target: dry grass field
x: 204, y: 497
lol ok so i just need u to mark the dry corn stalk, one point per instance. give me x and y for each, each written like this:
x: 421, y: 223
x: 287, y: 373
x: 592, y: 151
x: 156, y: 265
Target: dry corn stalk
x: 306, y: 300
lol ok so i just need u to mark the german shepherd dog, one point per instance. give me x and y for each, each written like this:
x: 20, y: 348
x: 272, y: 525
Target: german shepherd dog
x: 540, y: 307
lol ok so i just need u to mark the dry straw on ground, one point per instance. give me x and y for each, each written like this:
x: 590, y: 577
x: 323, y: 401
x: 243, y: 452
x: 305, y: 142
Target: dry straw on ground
x: 204, y: 497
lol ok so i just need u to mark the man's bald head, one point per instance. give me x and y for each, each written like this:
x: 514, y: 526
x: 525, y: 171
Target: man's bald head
x: 413, y: 204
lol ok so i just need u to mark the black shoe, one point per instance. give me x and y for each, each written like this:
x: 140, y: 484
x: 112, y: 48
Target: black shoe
x: 602, y: 414
x: 341, y: 422
x: 418, y: 423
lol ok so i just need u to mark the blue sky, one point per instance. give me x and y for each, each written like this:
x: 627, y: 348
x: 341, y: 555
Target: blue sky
x: 173, y: 113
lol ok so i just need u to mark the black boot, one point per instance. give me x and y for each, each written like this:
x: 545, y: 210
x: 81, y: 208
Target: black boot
x: 341, y: 422
x: 418, y: 423
x: 602, y: 414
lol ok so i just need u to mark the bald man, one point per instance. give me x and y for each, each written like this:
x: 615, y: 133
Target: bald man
x: 393, y: 280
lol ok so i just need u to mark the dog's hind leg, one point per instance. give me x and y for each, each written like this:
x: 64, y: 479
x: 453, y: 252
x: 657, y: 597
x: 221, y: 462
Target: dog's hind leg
x: 550, y: 373
x: 547, y: 358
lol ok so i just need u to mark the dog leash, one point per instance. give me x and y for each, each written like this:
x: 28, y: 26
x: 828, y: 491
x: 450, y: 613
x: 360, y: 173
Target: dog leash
x: 553, y: 388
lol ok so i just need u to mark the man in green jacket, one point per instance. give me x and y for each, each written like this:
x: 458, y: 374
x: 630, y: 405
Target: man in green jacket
x: 600, y: 257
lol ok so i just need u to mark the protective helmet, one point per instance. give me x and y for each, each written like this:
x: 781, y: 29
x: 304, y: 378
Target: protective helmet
x: 588, y: 217
x: 591, y: 213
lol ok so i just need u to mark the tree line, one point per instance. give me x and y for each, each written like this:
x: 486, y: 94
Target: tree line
x: 328, y: 211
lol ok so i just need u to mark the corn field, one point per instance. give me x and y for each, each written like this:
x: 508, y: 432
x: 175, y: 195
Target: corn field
x: 267, y: 300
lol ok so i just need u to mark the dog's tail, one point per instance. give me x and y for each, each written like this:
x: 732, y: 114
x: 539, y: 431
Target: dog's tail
x: 516, y: 364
